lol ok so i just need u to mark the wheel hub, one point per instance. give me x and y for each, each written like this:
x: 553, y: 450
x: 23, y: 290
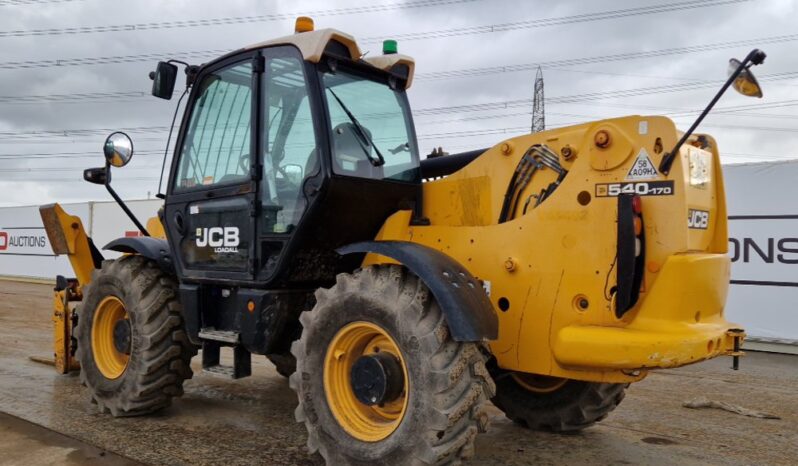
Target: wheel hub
x: 366, y: 381
x: 122, y: 336
x: 377, y: 378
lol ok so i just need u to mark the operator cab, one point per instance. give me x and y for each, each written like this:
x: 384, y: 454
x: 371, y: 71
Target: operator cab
x: 288, y: 149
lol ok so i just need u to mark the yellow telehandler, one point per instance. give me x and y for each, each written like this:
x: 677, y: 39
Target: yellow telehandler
x: 400, y: 295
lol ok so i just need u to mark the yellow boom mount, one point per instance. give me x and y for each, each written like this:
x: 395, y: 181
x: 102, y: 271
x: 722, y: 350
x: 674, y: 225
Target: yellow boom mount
x: 67, y: 237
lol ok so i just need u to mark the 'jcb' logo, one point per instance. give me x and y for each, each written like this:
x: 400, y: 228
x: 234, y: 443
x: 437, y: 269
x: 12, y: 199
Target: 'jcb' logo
x: 698, y: 219
x: 219, y: 238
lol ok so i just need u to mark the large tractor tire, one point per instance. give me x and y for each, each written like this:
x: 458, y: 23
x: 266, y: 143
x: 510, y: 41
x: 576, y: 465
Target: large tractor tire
x: 554, y: 404
x: 380, y: 379
x: 133, y: 351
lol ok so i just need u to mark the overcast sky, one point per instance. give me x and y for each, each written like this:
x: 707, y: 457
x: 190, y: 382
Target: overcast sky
x: 462, y: 50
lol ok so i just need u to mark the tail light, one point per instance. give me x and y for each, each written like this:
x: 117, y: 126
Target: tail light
x: 631, y: 252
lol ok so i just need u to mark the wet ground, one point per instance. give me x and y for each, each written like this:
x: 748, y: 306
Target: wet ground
x: 24, y: 443
x: 250, y: 421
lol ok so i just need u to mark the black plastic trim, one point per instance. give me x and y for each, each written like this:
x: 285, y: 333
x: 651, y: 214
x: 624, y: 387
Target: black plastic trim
x: 629, y: 267
x: 447, y: 164
x: 467, y: 308
x: 152, y: 248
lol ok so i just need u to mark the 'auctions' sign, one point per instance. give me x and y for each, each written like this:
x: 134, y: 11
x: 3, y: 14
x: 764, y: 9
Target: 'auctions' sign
x: 25, y: 241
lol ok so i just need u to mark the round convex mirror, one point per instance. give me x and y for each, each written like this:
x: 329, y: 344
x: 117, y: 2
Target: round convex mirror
x: 118, y: 149
x: 745, y: 83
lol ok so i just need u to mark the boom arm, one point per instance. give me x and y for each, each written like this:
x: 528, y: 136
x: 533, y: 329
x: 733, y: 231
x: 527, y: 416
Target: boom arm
x: 67, y: 236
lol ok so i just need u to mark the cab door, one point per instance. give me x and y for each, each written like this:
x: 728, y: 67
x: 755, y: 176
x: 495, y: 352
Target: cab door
x: 291, y: 158
x: 210, y: 209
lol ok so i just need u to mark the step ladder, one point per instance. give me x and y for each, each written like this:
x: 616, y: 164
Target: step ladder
x: 212, y: 342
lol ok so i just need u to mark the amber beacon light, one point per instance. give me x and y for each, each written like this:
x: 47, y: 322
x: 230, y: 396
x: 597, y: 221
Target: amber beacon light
x: 303, y: 24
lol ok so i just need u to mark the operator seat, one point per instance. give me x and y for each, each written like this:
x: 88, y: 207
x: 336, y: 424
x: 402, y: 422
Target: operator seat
x: 349, y: 157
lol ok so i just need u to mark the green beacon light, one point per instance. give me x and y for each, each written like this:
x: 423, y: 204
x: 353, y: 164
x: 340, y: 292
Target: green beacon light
x: 389, y: 47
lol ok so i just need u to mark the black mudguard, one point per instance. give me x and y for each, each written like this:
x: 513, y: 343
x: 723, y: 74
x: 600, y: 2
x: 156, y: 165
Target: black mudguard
x: 152, y: 248
x: 467, y: 308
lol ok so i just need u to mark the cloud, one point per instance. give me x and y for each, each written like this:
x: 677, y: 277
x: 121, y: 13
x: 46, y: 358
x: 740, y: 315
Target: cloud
x: 744, y: 133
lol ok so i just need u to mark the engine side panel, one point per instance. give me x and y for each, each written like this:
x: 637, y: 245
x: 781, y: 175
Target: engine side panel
x: 551, y: 268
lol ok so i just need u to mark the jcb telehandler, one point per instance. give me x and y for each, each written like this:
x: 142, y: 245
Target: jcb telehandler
x: 544, y: 274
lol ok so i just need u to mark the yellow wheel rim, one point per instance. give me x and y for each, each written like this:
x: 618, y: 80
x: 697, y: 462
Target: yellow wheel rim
x: 108, y: 359
x: 538, y: 383
x: 361, y: 421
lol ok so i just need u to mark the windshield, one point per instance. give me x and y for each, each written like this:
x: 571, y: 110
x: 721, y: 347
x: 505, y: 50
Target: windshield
x: 370, y: 124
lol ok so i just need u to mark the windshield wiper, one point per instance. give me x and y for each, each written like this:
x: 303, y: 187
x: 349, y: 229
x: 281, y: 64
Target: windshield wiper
x: 363, y: 135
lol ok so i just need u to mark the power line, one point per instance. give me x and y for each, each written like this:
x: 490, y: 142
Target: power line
x: 32, y: 2
x: 226, y: 21
x: 459, y: 134
x: 464, y: 133
x: 71, y: 155
x: 26, y: 64
x: 64, y: 169
x: 723, y: 154
x: 79, y: 132
x: 78, y: 179
x: 734, y: 110
x: 8, y: 136
x: 46, y: 98
x: 757, y: 156
x: 201, y: 54
x: 469, y: 72
x: 557, y: 21
x: 498, y: 105
x: 436, y: 136
x: 75, y: 180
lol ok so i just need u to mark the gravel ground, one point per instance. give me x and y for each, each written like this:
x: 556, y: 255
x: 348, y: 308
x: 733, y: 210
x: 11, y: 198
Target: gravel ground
x: 250, y: 421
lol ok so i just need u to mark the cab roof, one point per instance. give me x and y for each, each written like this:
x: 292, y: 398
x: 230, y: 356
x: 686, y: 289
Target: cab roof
x: 312, y: 44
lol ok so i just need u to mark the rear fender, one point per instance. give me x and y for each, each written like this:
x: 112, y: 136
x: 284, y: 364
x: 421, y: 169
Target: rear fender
x: 155, y: 249
x: 466, y: 307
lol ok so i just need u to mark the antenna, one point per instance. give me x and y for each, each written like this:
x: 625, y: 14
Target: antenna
x: 538, y: 110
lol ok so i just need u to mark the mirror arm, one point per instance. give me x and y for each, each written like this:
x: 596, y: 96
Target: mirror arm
x: 121, y: 203
x: 755, y: 57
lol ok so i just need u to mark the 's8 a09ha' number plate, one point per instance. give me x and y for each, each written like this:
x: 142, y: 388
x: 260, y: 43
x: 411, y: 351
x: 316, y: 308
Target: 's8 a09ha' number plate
x: 641, y: 188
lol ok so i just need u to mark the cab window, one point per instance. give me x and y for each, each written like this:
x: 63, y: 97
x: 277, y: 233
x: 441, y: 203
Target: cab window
x: 290, y: 152
x: 218, y: 141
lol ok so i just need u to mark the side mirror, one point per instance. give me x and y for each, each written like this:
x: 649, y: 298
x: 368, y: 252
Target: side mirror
x: 118, y: 149
x: 745, y: 83
x: 741, y: 78
x: 96, y: 175
x: 163, y: 80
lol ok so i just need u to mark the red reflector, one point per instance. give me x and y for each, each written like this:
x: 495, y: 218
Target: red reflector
x: 637, y: 204
x: 132, y: 233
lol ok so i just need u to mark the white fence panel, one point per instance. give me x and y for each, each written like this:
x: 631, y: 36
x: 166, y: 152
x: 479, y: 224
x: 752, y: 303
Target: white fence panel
x: 763, y: 245
x: 24, y: 248
x: 25, y: 251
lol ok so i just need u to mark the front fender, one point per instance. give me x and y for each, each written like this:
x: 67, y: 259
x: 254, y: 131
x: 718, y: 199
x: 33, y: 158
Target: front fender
x: 466, y: 307
x: 155, y: 249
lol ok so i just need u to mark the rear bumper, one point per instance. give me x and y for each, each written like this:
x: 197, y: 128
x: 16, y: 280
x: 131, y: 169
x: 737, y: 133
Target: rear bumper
x: 678, y: 321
